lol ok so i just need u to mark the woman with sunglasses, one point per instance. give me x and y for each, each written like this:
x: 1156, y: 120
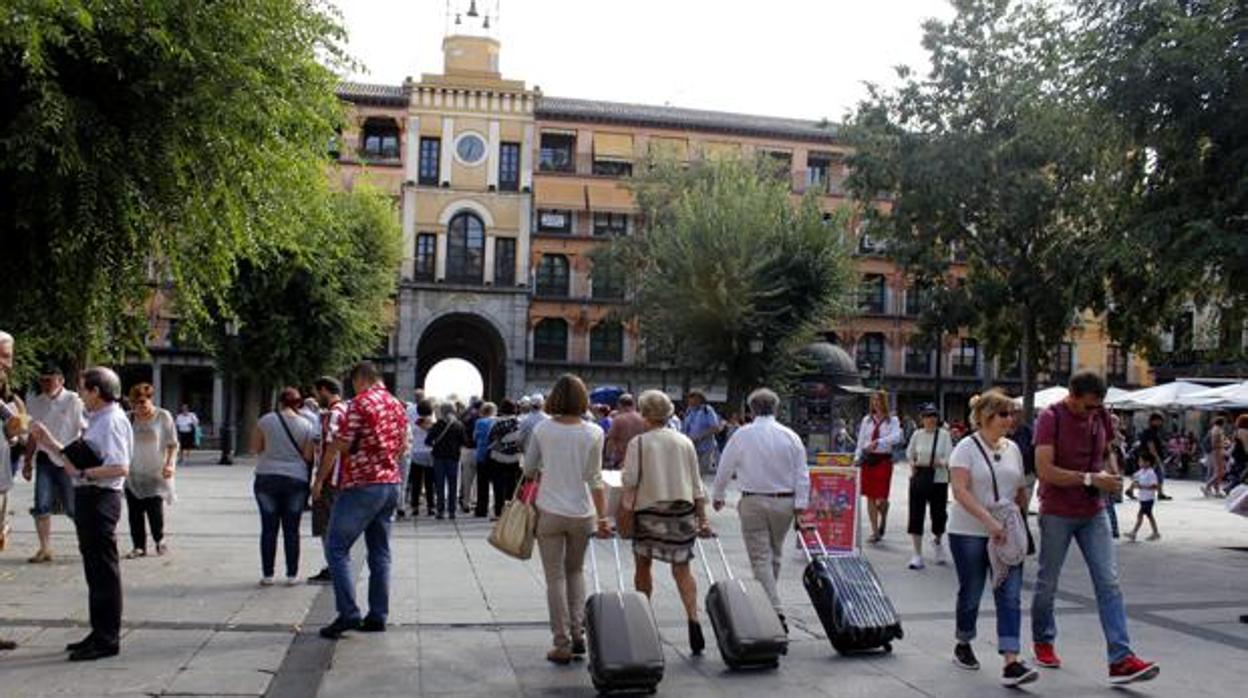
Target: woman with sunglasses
x: 149, y: 484
x: 986, y: 473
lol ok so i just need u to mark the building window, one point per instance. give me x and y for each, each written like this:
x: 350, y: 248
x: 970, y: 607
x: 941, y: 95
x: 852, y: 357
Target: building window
x: 917, y: 297
x: 426, y: 256
x: 966, y: 358
x: 509, y: 167
x: 465, y: 249
x: 817, y: 169
x: 779, y: 164
x: 608, y: 282
x: 918, y: 359
x: 430, y: 152
x: 870, y: 353
x: 606, y: 342
x: 871, y: 294
x: 504, y: 261
x: 557, y: 153
x: 1063, y: 362
x: 1116, y: 365
x: 335, y: 145
x: 554, y: 221
x: 870, y: 245
x: 550, y: 340
x: 380, y: 139
x: 553, y: 276
x: 610, y: 224
x: 613, y: 168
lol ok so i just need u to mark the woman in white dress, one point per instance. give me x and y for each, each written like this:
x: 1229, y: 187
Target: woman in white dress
x: 149, y: 484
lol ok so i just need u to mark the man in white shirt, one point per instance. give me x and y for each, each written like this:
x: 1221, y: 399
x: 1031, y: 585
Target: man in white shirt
x: 769, y: 462
x: 97, y: 493
x: 61, y: 413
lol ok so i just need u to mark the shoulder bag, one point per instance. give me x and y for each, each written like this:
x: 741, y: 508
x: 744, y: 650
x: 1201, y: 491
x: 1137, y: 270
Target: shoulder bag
x: 516, y: 529
x: 298, y: 449
x: 626, y: 514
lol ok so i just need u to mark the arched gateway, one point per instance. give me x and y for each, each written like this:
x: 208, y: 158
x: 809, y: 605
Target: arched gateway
x: 469, y: 337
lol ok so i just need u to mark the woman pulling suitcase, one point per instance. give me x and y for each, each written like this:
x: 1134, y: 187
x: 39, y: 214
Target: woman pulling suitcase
x: 662, y: 480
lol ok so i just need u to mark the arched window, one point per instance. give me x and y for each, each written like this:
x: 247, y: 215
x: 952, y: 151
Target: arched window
x: 380, y: 139
x: 550, y: 340
x: 553, y: 276
x: 465, y: 249
x: 606, y: 342
x: 871, y: 351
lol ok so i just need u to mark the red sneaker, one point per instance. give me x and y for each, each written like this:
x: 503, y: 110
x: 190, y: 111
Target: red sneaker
x: 1131, y: 669
x: 1046, y: 656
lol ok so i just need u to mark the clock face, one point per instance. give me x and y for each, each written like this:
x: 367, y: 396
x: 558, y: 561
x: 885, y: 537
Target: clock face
x: 470, y: 148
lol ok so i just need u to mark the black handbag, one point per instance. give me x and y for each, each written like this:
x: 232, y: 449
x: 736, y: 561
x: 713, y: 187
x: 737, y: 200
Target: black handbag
x: 80, y: 454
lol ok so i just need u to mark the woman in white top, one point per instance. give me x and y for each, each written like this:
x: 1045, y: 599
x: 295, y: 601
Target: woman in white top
x: 928, y: 453
x: 987, y: 468
x: 661, y: 465
x: 149, y: 484
x: 567, y: 451
x: 878, y: 433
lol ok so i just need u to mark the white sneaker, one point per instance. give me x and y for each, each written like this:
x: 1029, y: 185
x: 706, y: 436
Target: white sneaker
x: 916, y: 562
x: 940, y: 554
x: 266, y: 581
x: 292, y: 581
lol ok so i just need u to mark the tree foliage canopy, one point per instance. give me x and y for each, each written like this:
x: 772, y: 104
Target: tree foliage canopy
x: 315, y: 307
x: 989, y: 158
x: 151, y: 141
x: 726, y: 256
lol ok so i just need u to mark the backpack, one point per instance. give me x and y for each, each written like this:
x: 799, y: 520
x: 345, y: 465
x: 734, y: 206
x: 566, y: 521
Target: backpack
x: 505, y: 437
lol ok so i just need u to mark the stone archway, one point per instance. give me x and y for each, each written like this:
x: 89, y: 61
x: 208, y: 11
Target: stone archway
x: 471, y: 338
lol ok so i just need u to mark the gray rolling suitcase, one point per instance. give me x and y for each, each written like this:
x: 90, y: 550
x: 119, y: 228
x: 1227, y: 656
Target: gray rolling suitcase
x: 747, y: 628
x: 625, y: 652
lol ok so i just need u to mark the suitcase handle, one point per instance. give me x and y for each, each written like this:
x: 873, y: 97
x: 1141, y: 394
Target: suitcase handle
x: 593, y: 563
x: 818, y: 539
x: 722, y: 558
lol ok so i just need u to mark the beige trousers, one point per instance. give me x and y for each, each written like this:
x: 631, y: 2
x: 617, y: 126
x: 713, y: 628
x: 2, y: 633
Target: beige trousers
x: 468, y: 477
x: 765, y: 523
x: 561, y: 542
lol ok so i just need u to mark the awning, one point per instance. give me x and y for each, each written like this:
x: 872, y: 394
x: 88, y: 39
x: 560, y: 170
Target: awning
x: 719, y: 150
x: 611, y: 197
x: 552, y: 193
x: 676, y: 148
x: 613, y: 146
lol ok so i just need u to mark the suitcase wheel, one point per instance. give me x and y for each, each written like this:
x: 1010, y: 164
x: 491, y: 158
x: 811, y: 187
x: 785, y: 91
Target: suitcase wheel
x: 888, y: 647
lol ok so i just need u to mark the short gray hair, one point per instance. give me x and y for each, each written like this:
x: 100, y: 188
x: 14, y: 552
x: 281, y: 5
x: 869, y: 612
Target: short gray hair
x: 764, y: 402
x: 446, y: 410
x: 104, y: 381
x: 5, y: 338
x: 655, y: 406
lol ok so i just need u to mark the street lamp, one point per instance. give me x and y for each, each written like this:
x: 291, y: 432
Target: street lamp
x: 227, y: 421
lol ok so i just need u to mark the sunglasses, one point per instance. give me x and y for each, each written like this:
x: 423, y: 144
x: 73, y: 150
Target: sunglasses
x: 1005, y: 414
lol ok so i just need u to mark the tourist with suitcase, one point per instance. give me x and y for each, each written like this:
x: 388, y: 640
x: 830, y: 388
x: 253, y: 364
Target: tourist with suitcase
x: 768, y: 461
x: 567, y: 453
x: 667, y: 504
x: 986, y: 535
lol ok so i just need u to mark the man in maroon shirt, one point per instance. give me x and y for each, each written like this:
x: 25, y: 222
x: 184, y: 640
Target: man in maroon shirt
x: 375, y: 437
x: 1076, y: 469
x: 624, y: 426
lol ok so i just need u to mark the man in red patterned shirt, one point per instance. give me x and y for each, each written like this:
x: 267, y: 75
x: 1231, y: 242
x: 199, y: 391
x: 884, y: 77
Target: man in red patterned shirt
x: 375, y: 437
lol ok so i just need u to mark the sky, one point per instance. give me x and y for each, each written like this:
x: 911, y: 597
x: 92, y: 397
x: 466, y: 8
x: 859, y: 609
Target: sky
x: 797, y: 58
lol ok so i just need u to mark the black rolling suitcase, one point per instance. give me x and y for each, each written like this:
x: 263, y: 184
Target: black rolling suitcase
x: 625, y: 652
x: 852, y: 606
x: 747, y: 628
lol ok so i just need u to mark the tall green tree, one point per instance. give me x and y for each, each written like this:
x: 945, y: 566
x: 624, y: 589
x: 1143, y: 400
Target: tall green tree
x: 727, y: 258
x: 1173, y: 76
x: 153, y: 141
x: 313, y: 308
x: 989, y: 157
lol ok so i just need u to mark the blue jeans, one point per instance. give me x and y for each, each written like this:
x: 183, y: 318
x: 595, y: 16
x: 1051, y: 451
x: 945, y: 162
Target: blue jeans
x: 363, y: 510
x: 445, y: 483
x: 281, y: 501
x: 1094, y: 541
x: 970, y: 559
x: 51, y: 484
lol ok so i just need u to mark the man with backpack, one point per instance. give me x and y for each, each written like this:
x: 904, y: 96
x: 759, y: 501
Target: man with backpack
x: 504, y: 456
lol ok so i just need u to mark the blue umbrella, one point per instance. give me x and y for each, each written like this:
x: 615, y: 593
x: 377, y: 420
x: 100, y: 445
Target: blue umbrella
x: 606, y: 395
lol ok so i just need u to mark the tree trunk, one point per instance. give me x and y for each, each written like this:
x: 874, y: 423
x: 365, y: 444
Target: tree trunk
x: 1025, y: 362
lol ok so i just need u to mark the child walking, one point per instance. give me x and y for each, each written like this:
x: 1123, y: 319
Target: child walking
x: 1146, y: 484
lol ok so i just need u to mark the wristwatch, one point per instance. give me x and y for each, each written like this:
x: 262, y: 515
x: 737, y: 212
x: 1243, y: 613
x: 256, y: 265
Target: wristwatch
x: 1087, y: 479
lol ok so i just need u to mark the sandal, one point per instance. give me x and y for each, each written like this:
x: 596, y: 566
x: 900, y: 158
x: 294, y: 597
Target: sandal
x: 136, y: 553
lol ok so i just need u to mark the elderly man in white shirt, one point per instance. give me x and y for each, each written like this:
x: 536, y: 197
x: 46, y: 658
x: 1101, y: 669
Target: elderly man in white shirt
x: 62, y: 413
x: 769, y: 462
x: 97, y: 494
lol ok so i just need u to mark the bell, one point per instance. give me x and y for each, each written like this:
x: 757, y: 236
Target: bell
x: 458, y: 21
x: 472, y: 9
x: 486, y: 23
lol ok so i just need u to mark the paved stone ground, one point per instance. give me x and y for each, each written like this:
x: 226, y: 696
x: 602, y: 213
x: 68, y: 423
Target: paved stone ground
x: 469, y: 622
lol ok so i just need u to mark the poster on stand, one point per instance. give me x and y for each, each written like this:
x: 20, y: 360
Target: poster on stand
x: 833, y: 509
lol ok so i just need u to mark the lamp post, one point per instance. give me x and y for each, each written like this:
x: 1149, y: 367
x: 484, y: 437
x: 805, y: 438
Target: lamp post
x: 227, y: 420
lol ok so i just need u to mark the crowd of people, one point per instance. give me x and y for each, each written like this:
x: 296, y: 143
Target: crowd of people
x: 362, y: 463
